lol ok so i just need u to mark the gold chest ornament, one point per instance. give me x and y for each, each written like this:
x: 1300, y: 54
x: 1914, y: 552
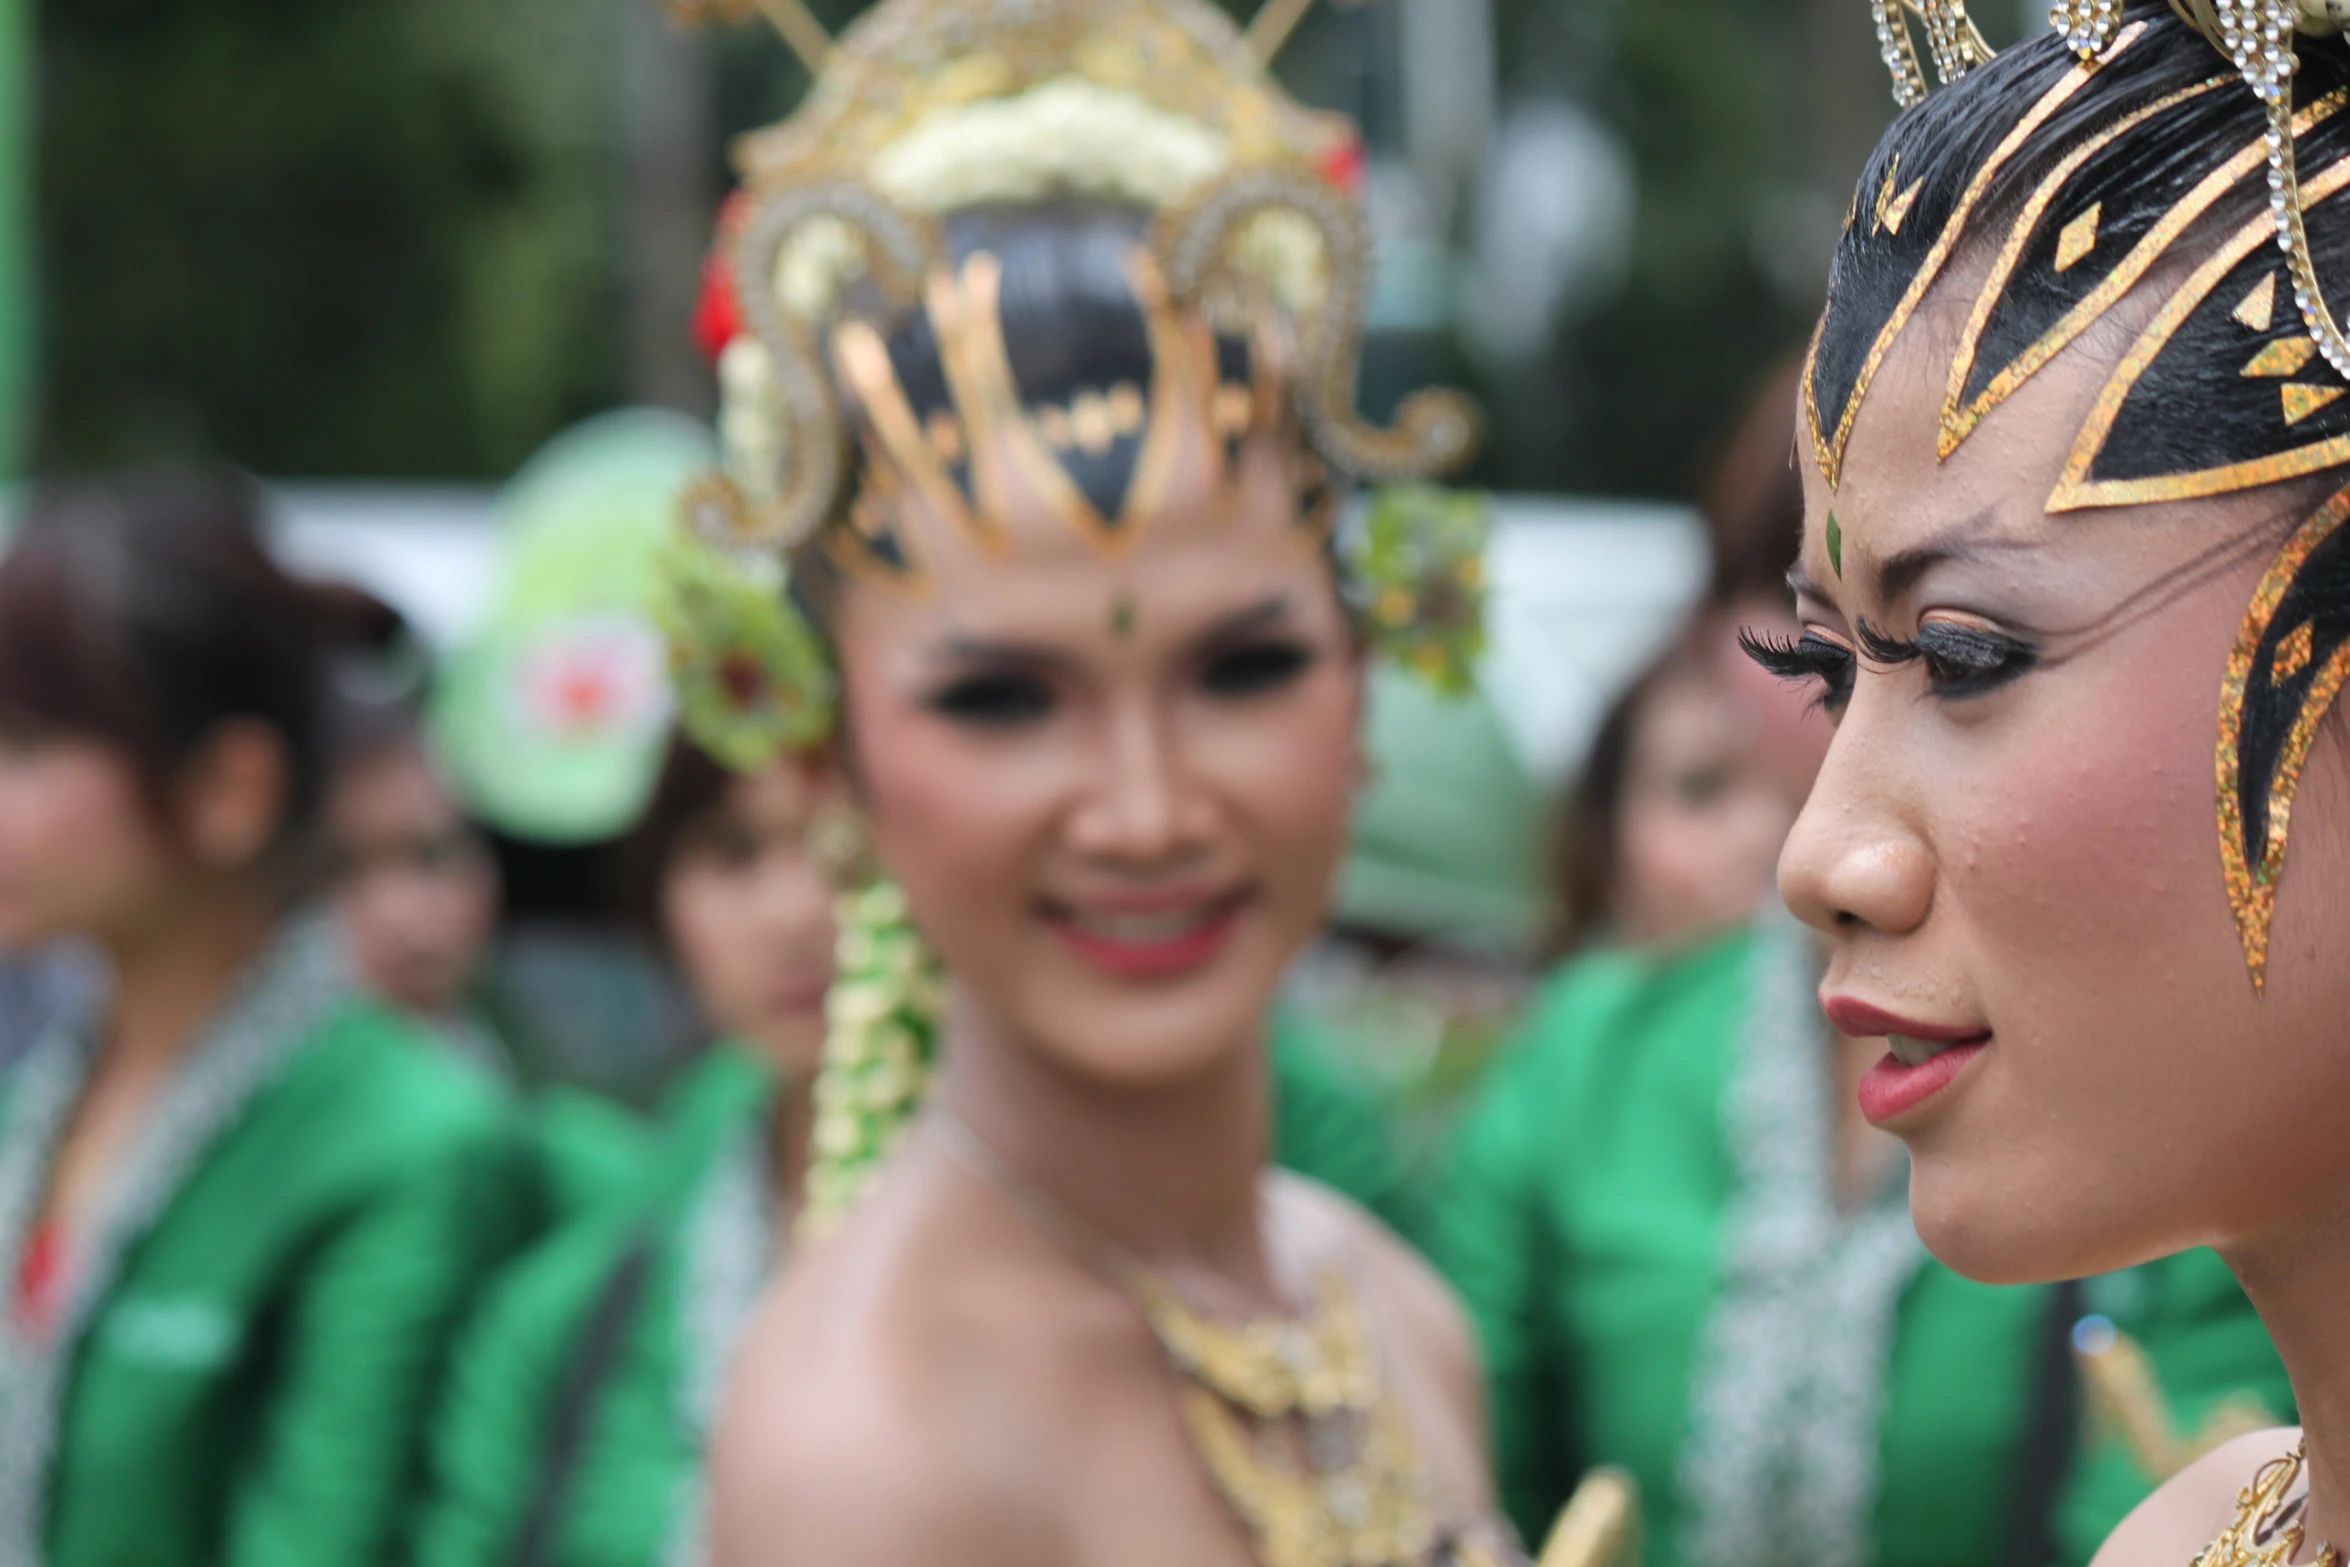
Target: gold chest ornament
x: 2258, y: 1538
x: 1289, y: 1415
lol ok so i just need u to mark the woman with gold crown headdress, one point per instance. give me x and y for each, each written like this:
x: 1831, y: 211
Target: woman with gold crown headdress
x: 2076, y: 584
x: 1040, y: 419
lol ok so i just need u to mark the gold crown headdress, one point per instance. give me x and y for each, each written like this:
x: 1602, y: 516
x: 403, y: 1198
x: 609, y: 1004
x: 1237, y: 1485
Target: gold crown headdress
x: 929, y: 107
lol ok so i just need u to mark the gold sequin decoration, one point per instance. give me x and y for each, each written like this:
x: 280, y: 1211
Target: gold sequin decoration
x: 1885, y: 192
x: 2258, y: 308
x: 1827, y: 449
x: 1371, y: 1513
x: 2285, y: 356
x: 2294, y: 653
x: 2252, y: 886
x: 1320, y: 1365
x: 2301, y: 399
x: 1891, y: 219
x: 2079, y: 237
x: 1959, y: 422
x: 2075, y: 490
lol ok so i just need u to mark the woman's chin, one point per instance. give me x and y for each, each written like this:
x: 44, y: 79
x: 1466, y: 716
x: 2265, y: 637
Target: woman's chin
x: 1995, y: 1231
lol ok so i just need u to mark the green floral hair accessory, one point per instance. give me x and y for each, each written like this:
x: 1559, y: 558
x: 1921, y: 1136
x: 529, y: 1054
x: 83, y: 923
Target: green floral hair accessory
x: 880, y: 1041
x: 750, y: 673
x: 1417, y: 564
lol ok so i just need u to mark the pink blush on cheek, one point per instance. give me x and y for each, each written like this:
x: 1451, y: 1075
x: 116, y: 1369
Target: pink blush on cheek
x: 2081, y: 848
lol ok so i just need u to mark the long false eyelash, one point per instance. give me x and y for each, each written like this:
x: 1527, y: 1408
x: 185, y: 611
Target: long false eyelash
x: 1778, y: 653
x: 1881, y: 648
x: 1801, y: 660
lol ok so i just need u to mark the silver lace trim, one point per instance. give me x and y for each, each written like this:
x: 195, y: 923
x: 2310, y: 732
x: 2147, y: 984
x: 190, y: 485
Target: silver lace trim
x: 273, y: 1012
x: 1780, y: 1468
x: 732, y: 1233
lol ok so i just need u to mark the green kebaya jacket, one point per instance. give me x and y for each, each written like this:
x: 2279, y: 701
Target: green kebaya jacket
x: 1637, y: 1213
x: 574, y: 1429
x: 240, y: 1365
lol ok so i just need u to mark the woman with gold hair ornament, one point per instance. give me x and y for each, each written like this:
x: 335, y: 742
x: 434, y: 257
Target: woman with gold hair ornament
x: 1038, y: 412
x: 2076, y: 583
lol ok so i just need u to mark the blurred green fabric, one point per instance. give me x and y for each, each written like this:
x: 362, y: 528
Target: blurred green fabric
x: 1446, y: 839
x: 554, y: 716
x: 1584, y: 1219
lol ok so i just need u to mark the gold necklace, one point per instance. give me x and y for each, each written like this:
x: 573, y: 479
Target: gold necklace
x: 1360, y: 1499
x: 2256, y: 1539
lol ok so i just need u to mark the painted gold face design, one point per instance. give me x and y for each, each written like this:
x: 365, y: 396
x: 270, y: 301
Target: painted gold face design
x: 1102, y: 716
x: 2007, y: 848
x: 2058, y: 264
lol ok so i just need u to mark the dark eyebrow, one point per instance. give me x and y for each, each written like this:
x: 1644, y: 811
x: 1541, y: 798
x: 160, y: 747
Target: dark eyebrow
x: 1967, y: 539
x: 1270, y: 610
x: 960, y: 648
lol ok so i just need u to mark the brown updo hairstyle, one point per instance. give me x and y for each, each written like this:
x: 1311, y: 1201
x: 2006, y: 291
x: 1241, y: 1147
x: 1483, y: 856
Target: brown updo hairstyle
x: 1587, y: 839
x: 144, y: 613
x: 691, y: 786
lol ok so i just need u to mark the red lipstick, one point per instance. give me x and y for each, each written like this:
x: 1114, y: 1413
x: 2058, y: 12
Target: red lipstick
x: 1892, y: 1087
x: 1144, y: 955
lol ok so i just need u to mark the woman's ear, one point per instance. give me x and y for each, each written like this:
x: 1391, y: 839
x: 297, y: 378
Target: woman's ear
x: 233, y: 795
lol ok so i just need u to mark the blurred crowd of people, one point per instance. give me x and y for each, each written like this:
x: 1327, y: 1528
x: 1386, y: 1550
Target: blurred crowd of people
x: 411, y: 1065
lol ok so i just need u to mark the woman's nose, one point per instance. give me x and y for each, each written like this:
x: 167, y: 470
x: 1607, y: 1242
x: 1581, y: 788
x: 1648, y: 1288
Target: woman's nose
x: 1853, y: 858
x: 1144, y: 809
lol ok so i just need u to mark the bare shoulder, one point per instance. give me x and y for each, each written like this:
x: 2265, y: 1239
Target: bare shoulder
x: 847, y: 1438
x: 2194, y: 1505
x: 1423, y: 1333
x: 1415, y: 1305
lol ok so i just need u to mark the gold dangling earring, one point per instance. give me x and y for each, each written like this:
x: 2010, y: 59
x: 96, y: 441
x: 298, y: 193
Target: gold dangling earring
x: 881, y: 1025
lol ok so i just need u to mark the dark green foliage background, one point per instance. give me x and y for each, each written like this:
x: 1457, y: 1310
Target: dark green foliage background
x: 378, y: 237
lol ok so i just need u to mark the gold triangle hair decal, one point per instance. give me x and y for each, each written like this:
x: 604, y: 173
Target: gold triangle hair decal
x: 2284, y: 673
x: 1828, y: 445
x: 1961, y: 413
x: 2111, y: 466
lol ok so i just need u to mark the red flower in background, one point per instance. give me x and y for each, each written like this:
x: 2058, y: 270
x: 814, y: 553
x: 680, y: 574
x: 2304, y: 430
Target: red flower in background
x: 718, y: 313
x: 1342, y: 165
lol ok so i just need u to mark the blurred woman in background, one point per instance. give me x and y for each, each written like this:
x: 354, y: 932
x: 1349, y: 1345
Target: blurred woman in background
x: 1687, y: 1252
x: 241, y: 1208
x: 577, y: 1418
x: 415, y: 883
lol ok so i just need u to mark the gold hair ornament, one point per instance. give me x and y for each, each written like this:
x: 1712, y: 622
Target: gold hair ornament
x: 897, y: 248
x: 1952, y: 38
x: 1435, y: 430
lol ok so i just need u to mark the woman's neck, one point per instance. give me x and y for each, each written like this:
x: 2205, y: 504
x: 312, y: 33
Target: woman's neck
x: 170, y: 977
x: 791, y: 1128
x: 1168, y: 1174
x: 2298, y: 1277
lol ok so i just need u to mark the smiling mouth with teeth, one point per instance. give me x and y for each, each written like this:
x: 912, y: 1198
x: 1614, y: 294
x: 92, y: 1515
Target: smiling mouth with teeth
x: 1149, y: 943
x: 1144, y: 930
x: 1917, y: 1052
